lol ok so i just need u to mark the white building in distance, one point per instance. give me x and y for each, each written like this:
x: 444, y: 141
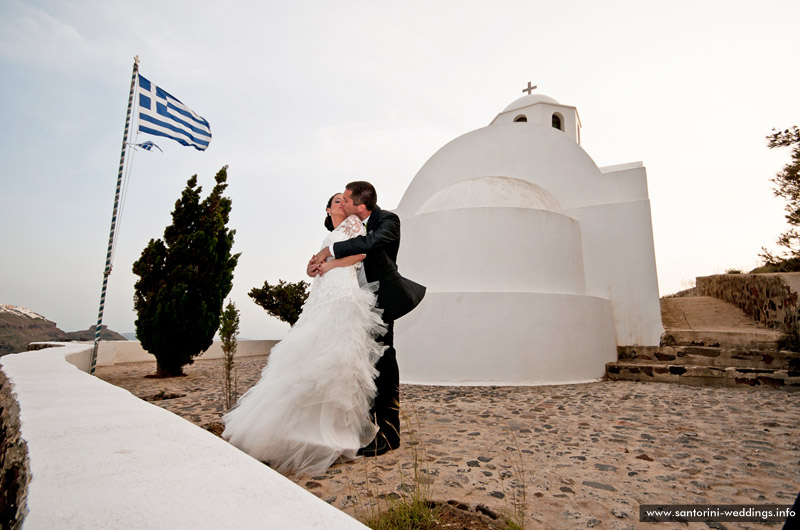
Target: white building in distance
x: 538, y: 263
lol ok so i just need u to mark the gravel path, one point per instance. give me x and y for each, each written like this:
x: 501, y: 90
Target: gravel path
x: 588, y: 454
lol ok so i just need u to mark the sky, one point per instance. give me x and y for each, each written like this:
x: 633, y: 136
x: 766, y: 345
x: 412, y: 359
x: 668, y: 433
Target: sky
x: 305, y: 96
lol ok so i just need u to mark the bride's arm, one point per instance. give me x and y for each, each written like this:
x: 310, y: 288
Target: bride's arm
x: 350, y: 227
x: 341, y: 262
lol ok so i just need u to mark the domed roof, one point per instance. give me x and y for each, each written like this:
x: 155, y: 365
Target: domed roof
x: 539, y: 155
x: 530, y: 99
x: 498, y: 192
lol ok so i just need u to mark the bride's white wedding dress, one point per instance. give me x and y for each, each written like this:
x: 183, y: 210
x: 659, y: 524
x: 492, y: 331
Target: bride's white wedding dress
x: 311, y: 406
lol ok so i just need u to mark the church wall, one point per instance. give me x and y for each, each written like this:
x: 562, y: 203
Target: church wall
x: 493, y: 249
x: 619, y: 258
x: 625, y: 185
x: 505, y: 338
x: 562, y: 272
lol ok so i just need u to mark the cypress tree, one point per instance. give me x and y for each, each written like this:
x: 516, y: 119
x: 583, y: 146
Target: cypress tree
x: 228, y: 334
x: 787, y: 185
x: 184, y: 278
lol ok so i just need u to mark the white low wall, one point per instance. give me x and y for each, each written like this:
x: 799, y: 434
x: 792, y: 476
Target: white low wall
x: 102, y: 458
x: 130, y: 351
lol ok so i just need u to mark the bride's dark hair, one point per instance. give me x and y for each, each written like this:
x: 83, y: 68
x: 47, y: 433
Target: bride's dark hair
x: 328, y: 221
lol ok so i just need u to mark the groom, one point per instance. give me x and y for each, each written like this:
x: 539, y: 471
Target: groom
x: 396, y: 297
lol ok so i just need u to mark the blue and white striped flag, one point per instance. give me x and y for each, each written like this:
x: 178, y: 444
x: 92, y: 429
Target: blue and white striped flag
x: 162, y: 114
x: 148, y: 146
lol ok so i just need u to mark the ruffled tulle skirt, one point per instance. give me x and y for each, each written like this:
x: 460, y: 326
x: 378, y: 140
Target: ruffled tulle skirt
x: 311, y: 406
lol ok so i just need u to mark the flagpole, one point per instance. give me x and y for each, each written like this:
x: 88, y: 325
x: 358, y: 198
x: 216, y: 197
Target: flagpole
x: 107, y: 270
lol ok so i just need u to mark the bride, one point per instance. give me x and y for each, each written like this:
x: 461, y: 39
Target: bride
x: 311, y: 406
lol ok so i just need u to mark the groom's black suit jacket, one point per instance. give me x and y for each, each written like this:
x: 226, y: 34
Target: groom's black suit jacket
x: 396, y: 295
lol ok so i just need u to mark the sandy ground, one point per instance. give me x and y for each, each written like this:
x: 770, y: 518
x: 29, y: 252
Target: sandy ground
x: 587, y: 455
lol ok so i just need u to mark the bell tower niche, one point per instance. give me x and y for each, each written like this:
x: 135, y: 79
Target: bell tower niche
x: 539, y: 109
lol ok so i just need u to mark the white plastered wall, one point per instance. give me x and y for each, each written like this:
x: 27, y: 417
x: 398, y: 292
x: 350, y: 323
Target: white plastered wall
x: 504, y: 338
x: 622, y: 271
x: 503, y: 302
x: 494, y: 250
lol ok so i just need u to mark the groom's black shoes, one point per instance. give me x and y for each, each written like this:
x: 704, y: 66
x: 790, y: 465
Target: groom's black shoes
x: 378, y: 447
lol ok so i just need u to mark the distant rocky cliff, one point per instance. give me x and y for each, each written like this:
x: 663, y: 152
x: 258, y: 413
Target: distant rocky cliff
x: 20, y: 326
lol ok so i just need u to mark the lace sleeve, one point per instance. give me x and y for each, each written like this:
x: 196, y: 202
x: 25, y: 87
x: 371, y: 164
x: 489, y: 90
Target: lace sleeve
x: 352, y: 227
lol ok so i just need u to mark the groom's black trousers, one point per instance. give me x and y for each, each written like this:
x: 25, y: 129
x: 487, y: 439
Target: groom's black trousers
x: 386, y: 408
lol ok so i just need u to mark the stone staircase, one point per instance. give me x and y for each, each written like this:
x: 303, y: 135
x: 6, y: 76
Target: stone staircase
x: 709, y: 342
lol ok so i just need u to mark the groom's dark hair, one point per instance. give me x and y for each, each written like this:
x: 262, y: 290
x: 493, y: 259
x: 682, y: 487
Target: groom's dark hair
x: 364, y: 193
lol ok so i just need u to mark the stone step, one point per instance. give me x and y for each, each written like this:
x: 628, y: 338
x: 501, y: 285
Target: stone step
x: 709, y: 342
x: 755, y: 340
x: 710, y: 356
x: 706, y: 313
x: 704, y: 375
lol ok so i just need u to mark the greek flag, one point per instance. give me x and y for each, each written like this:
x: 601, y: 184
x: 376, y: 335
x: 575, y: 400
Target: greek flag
x: 162, y: 114
x: 148, y: 146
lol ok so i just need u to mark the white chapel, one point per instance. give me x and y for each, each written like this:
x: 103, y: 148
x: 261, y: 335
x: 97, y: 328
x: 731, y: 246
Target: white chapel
x: 538, y: 263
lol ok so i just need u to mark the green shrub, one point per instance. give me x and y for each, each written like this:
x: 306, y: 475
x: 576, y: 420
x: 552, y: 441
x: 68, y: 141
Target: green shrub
x: 283, y: 301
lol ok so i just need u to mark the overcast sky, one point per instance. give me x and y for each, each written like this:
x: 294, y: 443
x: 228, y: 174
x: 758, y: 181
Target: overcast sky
x: 305, y: 96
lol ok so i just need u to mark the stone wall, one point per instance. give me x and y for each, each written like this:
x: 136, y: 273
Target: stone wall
x: 14, y: 468
x: 771, y: 299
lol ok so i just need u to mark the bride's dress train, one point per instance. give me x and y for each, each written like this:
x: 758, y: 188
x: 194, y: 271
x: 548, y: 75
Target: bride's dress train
x: 311, y: 406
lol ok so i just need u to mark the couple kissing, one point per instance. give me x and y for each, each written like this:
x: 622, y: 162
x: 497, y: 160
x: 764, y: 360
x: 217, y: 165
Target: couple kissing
x: 330, y: 391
